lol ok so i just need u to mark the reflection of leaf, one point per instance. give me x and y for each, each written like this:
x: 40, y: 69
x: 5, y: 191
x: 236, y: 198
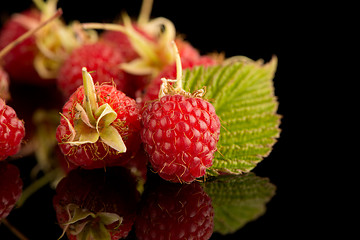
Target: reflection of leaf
x: 238, y: 200
x: 243, y: 96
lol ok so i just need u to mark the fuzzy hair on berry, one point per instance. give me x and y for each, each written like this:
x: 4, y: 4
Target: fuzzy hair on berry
x: 99, y: 127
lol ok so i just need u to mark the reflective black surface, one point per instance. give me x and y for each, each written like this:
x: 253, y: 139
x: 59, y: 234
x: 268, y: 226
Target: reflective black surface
x: 215, y: 209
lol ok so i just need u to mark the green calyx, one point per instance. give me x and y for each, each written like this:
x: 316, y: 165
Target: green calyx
x: 89, y: 225
x: 93, y: 122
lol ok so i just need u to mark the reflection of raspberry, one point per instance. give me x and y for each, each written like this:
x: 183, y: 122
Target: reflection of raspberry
x: 109, y: 200
x: 12, y: 131
x: 180, y: 134
x: 10, y: 188
x: 173, y: 211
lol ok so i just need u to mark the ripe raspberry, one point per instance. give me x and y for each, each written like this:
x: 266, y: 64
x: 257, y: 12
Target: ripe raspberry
x: 10, y: 188
x: 96, y: 201
x: 180, y: 131
x: 173, y: 211
x: 95, y: 138
x: 19, y: 61
x: 99, y: 57
x: 12, y: 131
x: 4, y: 84
x: 180, y: 134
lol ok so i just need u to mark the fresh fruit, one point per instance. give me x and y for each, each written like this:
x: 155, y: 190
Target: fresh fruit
x: 4, y: 84
x: 101, y: 58
x: 180, y: 132
x: 94, y: 204
x: 10, y: 188
x: 174, y: 211
x: 19, y: 62
x: 99, y: 126
x: 12, y: 131
x: 37, y: 59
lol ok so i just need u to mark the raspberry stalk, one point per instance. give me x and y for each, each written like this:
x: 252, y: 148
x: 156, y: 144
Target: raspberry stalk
x: 168, y: 89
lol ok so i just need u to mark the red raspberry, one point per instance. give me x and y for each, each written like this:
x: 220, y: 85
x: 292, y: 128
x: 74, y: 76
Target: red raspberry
x: 4, y: 84
x: 12, y: 131
x: 10, y: 188
x: 107, y: 200
x: 180, y: 134
x: 101, y: 58
x: 19, y: 61
x: 173, y: 211
x: 99, y: 154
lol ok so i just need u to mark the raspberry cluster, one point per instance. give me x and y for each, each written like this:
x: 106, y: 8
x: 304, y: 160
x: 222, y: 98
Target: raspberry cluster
x: 122, y: 105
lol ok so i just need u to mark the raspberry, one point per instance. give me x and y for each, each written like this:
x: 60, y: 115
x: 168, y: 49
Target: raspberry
x: 10, y: 188
x: 101, y: 58
x: 109, y: 200
x: 115, y: 115
x: 19, y: 61
x: 180, y: 131
x: 173, y: 211
x: 180, y: 134
x: 12, y: 131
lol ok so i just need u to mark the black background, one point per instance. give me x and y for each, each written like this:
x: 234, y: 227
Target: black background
x: 291, y: 31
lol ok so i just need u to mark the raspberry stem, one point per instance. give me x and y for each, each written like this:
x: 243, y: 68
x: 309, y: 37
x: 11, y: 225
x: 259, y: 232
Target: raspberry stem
x: 145, y: 12
x: 178, y: 68
x: 165, y: 86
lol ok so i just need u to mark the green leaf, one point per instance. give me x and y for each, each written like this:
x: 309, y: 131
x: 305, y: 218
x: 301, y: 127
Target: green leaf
x: 243, y: 96
x: 238, y: 200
